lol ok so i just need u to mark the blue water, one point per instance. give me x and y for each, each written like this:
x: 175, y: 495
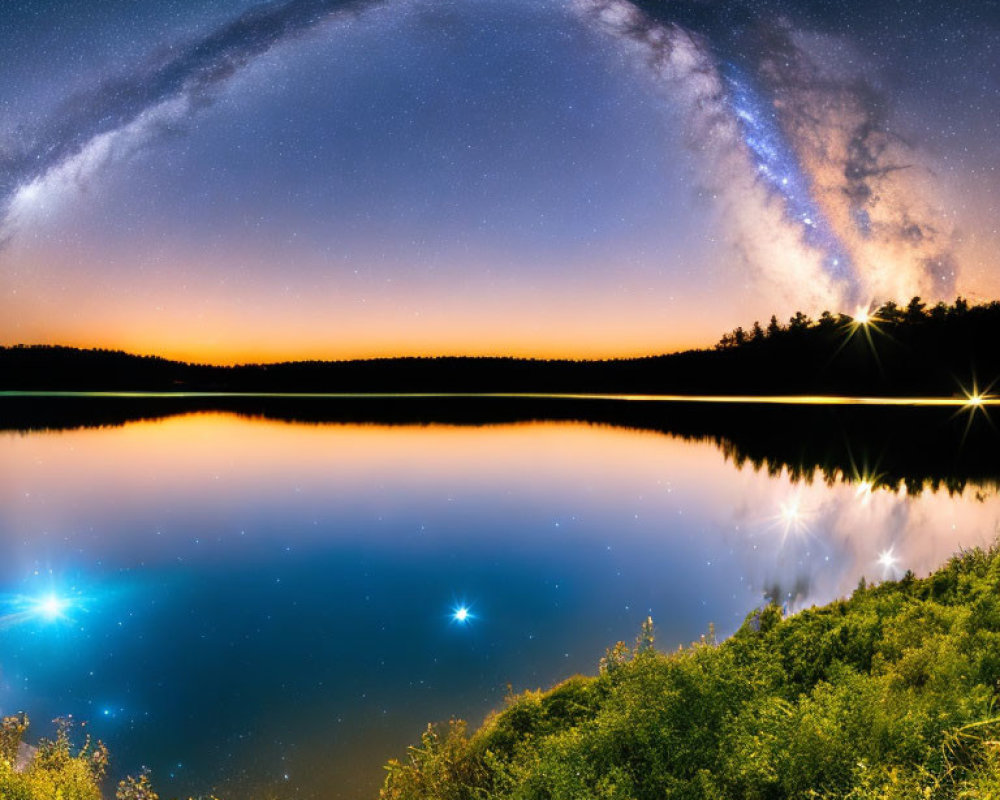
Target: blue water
x: 242, y: 604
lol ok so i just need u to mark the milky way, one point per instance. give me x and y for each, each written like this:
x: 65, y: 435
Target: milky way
x: 588, y: 177
x: 122, y: 112
x: 854, y: 192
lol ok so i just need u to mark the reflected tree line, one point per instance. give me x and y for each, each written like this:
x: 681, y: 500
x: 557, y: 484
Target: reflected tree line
x: 916, y: 448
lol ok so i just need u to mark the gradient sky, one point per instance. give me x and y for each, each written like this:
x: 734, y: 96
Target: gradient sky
x: 235, y: 180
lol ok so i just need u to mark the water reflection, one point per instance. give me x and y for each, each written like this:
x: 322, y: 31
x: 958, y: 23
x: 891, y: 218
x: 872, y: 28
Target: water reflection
x: 250, y: 601
x: 887, y: 447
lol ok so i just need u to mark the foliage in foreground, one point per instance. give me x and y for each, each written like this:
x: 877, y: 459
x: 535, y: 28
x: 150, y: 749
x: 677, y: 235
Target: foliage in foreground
x: 890, y: 695
x: 56, y: 770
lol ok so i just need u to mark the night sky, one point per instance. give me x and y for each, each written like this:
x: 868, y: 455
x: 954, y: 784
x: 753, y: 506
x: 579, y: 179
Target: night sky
x: 235, y: 180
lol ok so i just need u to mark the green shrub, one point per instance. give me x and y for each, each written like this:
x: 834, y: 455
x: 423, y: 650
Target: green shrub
x: 56, y: 770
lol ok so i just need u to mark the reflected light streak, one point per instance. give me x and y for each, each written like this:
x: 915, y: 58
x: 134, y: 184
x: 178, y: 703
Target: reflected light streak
x: 821, y: 400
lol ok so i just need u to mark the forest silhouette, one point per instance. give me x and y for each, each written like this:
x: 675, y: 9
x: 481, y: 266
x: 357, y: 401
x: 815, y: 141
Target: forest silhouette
x: 945, y: 350
x: 911, y: 350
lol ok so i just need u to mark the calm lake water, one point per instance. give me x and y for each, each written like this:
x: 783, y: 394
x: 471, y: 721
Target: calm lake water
x: 245, y: 603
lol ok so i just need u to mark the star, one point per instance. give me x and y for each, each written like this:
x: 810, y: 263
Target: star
x: 51, y: 607
x: 887, y: 559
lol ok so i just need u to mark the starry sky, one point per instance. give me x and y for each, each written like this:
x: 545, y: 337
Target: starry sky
x: 234, y: 180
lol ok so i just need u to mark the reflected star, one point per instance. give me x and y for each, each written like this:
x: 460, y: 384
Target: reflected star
x: 48, y: 608
x: 888, y: 560
x: 792, y: 518
x: 864, y: 490
x: 462, y: 614
x: 865, y: 480
x: 51, y: 607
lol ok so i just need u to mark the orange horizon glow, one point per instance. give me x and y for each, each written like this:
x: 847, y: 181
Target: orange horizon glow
x: 183, y: 314
x: 199, y: 325
x: 223, y: 355
x: 186, y: 316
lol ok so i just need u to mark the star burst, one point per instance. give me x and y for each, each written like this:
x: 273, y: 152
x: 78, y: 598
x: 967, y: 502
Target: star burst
x: 48, y: 608
x: 888, y: 560
x: 976, y: 402
x: 792, y: 519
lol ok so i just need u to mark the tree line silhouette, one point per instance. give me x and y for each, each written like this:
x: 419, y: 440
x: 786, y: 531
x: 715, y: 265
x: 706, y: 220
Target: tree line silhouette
x: 889, y: 317
x: 896, y: 350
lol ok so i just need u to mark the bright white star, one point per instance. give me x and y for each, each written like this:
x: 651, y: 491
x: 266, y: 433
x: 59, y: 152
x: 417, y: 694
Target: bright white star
x: 864, y: 490
x: 887, y: 559
x: 792, y: 518
x: 51, y: 607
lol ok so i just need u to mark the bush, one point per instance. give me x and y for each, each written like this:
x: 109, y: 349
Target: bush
x: 56, y: 770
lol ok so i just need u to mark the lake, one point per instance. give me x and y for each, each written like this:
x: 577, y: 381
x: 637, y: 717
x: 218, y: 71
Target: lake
x: 280, y: 597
